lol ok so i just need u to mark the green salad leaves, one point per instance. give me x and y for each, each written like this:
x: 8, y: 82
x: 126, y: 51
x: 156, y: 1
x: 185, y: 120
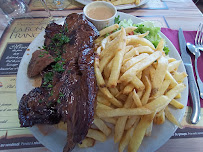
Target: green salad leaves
x: 143, y: 27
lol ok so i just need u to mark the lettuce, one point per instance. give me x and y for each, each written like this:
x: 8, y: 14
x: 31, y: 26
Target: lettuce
x: 153, y: 35
x: 143, y: 27
x: 126, y: 23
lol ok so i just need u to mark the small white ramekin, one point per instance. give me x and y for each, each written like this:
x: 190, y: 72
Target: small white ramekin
x: 100, y: 24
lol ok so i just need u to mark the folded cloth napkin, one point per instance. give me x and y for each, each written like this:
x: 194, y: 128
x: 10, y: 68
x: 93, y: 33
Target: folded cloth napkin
x: 172, y: 35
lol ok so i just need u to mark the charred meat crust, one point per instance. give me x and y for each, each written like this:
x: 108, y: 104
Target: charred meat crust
x: 39, y: 61
x: 72, y: 95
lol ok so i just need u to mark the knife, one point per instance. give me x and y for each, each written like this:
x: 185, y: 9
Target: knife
x: 194, y: 92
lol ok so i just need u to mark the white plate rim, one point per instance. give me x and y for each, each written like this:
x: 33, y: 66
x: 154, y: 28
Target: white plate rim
x: 149, y: 143
x: 118, y: 7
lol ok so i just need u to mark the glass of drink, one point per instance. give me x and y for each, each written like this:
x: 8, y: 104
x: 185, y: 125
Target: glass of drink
x: 13, y: 8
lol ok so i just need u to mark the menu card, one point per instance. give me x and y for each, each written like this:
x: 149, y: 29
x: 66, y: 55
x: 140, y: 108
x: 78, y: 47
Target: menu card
x: 13, y: 43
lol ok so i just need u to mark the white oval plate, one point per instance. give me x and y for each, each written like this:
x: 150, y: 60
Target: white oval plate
x: 119, y: 7
x: 56, y: 140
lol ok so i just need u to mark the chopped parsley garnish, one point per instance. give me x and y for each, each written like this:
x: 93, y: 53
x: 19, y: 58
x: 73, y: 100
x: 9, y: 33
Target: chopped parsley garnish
x: 58, y: 101
x: 107, y: 34
x: 60, y: 39
x: 58, y: 59
x: 50, y: 86
x: 48, y: 77
x: 117, y: 20
x: 66, y: 28
x: 56, y: 48
x: 42, y: 53
x: 58, y: 67
x: 61, y: 94
x: 44, y: 47
x: 51, y: 93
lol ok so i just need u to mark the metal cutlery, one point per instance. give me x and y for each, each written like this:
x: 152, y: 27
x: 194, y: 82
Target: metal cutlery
x: 194, y: 50
x: 199, y: 37
x: 194, y: 92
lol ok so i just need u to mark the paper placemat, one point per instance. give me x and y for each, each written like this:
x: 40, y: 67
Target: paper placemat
x: 14, y: 42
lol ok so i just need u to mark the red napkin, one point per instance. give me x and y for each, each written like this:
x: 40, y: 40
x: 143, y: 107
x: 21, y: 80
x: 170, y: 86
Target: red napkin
x: 172, y: 35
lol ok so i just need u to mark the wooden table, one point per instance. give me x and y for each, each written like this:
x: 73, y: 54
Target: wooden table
x: 182, y: 14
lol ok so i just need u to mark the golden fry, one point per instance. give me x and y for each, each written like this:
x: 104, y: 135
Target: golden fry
x: 107, y: 70
x: 160, y: 46
x: 147, y: 92
x: 173, y: 66
x: 102, y: 106
x: 138, y: 84
x: 173, y: 82
x: 136, y: 99
x: 119, y: 128
x: 171, y: 118
x: 176, y: 90
x: 117, y: 61
x: 137, y: 2
x: 114, y: 91
x: 61, y: 125
x: 121, y: 2
x: 139, y: 132
x: 159, y: 117
x: 108, y: 29
x: 110, y: 97
x: 163, y: 88
x: 102, y: 100
x: 133, y: 39
x: 96, y: 134
x: 122, y: 112
x: 131, y: 62
x: 131, y: 53
x: 109, y: 52
x: 100, y: 79
x: 128, y: 75
x: 102, y: 126
x: 144, y: 49
x: 132, y: 120
x: 128, y: 88
x: 126, y: 138
x: 179, y: 77
x: 159, y: 74
x: 121, y: 122
x: 87, y: 142
x: 176, y: 104
x: 149, y: 130
x: 110, y: 120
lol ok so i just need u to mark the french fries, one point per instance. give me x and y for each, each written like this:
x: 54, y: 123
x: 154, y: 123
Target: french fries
x: 117, y: 61
x: 136, y: 84
x: 139, y: 132
x: 102, y: 126
x: 122, y: 2
x: 96, y: 135
x: 87, y: 142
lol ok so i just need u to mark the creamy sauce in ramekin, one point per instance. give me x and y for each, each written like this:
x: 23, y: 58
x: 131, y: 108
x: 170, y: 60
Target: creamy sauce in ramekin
x: 100, y: 13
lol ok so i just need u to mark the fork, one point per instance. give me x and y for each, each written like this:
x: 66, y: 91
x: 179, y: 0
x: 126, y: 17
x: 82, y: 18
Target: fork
x: 199, y: 37
x: 199, y: 46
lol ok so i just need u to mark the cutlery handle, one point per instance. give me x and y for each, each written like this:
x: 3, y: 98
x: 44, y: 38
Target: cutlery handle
x: 199, y: 81
x: 194, y: 92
